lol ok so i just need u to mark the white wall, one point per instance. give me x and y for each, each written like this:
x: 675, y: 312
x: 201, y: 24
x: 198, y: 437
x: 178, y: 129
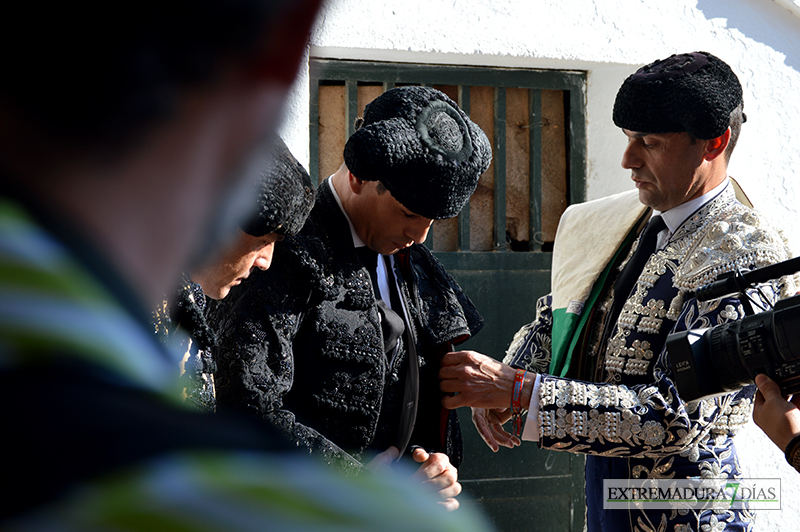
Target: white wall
x: 760, y: 39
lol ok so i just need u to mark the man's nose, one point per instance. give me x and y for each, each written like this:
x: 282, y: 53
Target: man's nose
x: 418, y: 231
x: 630, y: 157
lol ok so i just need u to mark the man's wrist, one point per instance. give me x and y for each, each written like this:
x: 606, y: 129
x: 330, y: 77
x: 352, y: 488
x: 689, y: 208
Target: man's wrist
x: 517, y: 410
x: 527, y: 388
x: 522, y: 391
x: 532, y: 430
x: 792, y: 452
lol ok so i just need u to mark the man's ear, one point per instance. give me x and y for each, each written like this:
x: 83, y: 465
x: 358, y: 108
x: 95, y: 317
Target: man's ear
x: 716, y: 147
x: 356, y: 185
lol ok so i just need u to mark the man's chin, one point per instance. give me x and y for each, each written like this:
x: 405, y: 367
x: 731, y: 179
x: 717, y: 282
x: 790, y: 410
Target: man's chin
x: 395, y: 247
x: 225, y: 290
x: 220, y: 293
x: 644, y: 196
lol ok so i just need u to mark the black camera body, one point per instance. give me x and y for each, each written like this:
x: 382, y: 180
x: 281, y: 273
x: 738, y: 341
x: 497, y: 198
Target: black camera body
x: 725, y: 358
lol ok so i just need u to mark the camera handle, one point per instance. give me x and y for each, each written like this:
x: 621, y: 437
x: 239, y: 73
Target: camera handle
x: 727, y: 284
x: 736, y: 282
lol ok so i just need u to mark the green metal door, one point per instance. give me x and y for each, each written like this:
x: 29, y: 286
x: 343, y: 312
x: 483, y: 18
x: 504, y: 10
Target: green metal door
x: 497, y: 248
x: 524, y: 488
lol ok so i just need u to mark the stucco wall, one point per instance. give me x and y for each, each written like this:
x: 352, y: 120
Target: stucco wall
x: 758, y: 38
x: 609, y: 40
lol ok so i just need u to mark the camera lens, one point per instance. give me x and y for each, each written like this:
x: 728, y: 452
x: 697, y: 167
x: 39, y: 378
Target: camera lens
x: 726, y: 357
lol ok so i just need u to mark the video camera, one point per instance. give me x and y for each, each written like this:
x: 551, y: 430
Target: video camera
x: 725, y: 358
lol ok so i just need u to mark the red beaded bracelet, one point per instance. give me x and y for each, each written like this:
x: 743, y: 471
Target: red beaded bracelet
x: 517, y: 412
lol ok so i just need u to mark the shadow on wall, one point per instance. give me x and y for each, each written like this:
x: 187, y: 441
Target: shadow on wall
x: 763, y: 21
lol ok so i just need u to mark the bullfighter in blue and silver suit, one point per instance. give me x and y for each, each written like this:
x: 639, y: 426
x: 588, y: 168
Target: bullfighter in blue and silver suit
x: 598, y: 372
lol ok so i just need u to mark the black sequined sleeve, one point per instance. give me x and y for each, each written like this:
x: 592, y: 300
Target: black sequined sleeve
x: 256, y: 325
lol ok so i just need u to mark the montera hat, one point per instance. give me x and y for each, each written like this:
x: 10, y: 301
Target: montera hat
x: 422, y: 147
x: 284, y: 196
x: 694, y: 92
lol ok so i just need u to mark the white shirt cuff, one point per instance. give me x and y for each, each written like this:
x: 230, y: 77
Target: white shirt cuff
x: 532, y: 432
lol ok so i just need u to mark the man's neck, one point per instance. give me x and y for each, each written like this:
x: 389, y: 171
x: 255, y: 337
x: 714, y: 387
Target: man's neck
x: 677, y: 215
x: 340, y: 183
x: 357, y: 242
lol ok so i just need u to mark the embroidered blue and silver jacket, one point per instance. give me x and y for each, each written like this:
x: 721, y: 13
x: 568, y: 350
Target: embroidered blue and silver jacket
x: 628, y: 415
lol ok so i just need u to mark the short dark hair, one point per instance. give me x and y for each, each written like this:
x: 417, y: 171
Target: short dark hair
x: 283, y: 196
x: 735, y: 125
x: 99, y: 74
x: 737, y: 119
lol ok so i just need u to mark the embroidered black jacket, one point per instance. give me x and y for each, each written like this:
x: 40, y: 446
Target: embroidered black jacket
x: 301, y: 344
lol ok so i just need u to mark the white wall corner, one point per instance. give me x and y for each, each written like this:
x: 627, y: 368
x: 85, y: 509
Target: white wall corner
x: 295, y: 126
x: 791, y: 5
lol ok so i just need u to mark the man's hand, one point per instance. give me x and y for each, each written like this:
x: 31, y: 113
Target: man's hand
x: 383, y: 461
x: 490, y: 426
x: 480, y: 382
x: 437, y: 471
x: 777, y: 417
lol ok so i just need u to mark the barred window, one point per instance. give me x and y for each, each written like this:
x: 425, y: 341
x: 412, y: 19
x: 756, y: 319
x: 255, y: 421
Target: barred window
x: 535, y: 123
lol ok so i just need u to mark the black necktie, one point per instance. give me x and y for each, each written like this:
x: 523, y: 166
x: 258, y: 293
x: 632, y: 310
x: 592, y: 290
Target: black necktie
x: 627, y: 277
x: 390, y: 279
x: 408, y: 413
x: 392, y: 325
